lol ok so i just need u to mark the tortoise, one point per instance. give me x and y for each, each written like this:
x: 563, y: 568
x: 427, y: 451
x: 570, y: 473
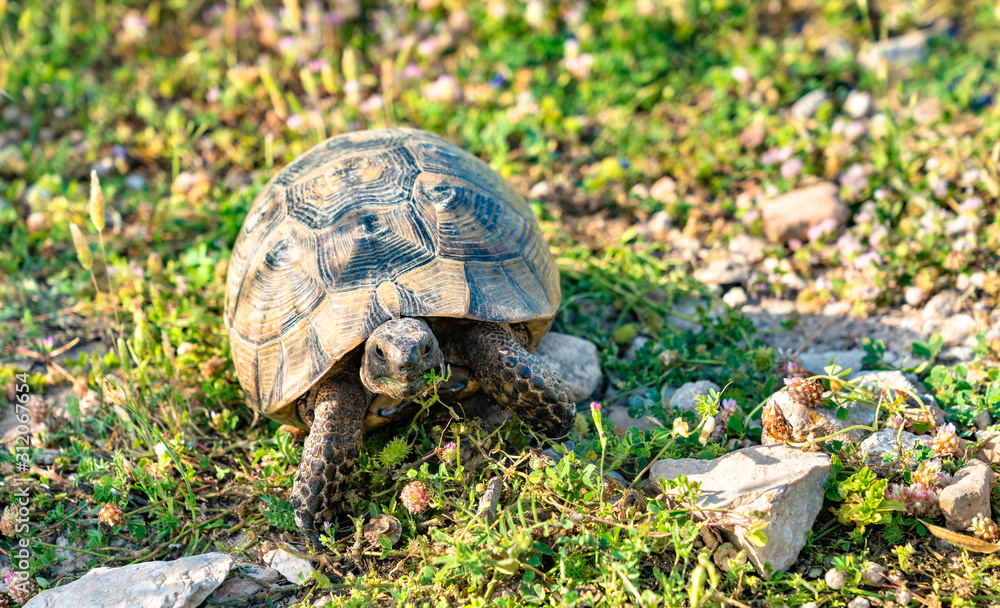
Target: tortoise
x: 368, y: 261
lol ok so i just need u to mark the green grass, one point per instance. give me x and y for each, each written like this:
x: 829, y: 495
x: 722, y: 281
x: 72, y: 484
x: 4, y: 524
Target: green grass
x: 155, y: 422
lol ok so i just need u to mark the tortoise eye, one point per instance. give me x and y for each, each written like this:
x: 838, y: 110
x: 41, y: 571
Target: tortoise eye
x: 379, y: 353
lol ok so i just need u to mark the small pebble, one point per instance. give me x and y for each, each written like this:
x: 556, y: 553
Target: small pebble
x: 103, y: 167
x: 857, y: 104
x: 873, y: 574
x: 914, y: 296
x: 664, y: 190
x: 859, y: 602
x: 809, y: 605
x: 135, y: 182
x: 807, y: 105
x: 903, y: 597
x: 735, y: 297
x: 835, y: 579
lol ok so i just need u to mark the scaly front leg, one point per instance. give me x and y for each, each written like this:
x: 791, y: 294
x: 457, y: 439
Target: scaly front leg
x: 517, y: 379
x: 334, y: 410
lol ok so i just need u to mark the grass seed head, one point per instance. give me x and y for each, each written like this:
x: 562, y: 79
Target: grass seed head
x: 82, y: 248
x: 96, y: 202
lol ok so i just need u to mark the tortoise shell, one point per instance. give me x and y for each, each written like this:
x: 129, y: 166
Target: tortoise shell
x: 366, y: 227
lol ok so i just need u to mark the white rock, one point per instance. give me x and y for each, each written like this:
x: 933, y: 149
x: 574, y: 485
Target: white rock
x: 735, y: 297
x: 914, y: 296
x: 899, y: 51
x: 874, y: 449
x: 791, y: 215
x: 793, y: 281
x: 723, y: 271
x: 821, y: 422
x: 786, y: 483
x: 968, y: 495
x: 859, y: 602
x: 540, y: 190
x: 835, y: 579
x: 807, y: 105
x: 857, y: 104
x: 659, y: 225
x: 294, y: 568
x: 941, y: 305
x: 873, y: 574
x: 958, y: 328
x: 574, y: 360
x: 664, y: 190
x: 182, y: 583
x: 684, y: 397
x: 749, y: 248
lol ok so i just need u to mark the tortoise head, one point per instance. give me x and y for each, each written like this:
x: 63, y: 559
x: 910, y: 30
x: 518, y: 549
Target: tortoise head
x: 397, y: 356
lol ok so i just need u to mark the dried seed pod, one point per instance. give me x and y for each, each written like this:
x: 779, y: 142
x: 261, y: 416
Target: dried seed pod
x: 808, y: 393
x: 774, y: 422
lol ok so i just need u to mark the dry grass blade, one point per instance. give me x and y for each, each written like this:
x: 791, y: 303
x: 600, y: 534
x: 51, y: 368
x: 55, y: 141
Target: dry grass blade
x: 961, y: 540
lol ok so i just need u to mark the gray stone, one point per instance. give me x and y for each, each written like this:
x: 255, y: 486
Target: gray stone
x: 785, y: 483
x: 989, y: 451
x: 982, y: 419
x: 957, y: 328
x: 658, y: 227
x: 618, y: 415
x: 940, y: 306
x: 838, y: 49
x: 887, y: 443
x: 899, y: 51
x: 684, y: 397
x: 858, y: 104
x: 749, y: 248
x: 295, y: 569
x: 807, y: 105
x: 793, y: 281
x: 238, y: 588
x: 846, y: 359
x: 634, y: 347
x: 103, y: 167
x: 182, y: 583
x: 791, y: 215
x: 968, y: 495
x: 822, y: 422
x: 265, y: 575
x: 574, y: 360
x: 134, y: 181
x: 688, y: 307
x: 723, y: 271
x: 925, y: 410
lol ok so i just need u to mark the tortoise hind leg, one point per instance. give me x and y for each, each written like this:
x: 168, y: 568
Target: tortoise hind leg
x: 336, y: 408
x: 518, y: 380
